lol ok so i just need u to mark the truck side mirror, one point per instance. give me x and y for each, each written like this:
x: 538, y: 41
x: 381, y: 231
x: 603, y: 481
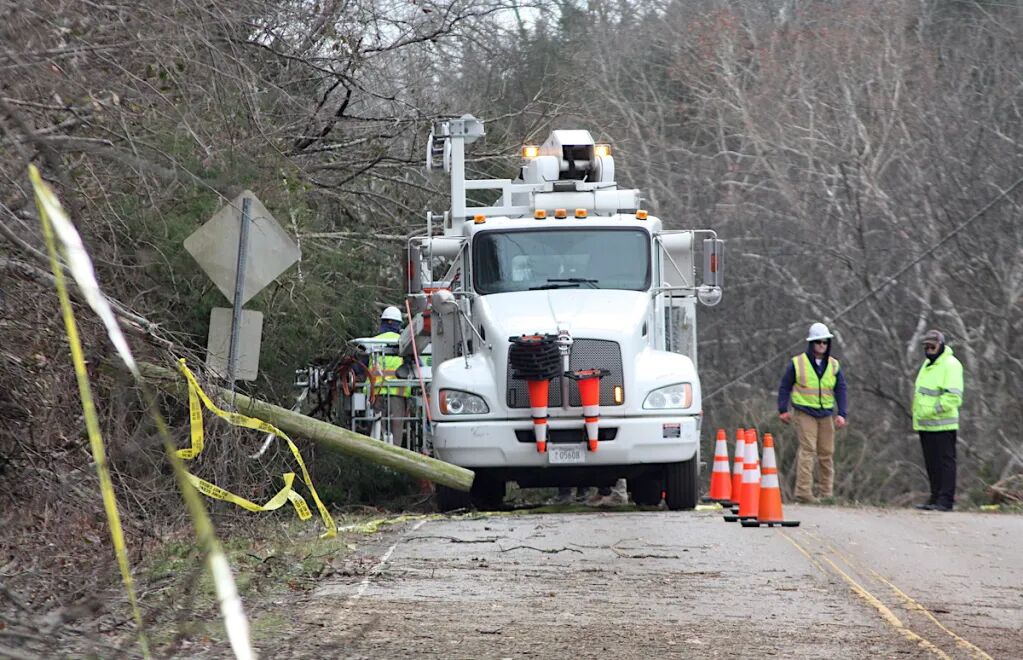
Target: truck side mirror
x: 713, y: 255
x: 709, y: 292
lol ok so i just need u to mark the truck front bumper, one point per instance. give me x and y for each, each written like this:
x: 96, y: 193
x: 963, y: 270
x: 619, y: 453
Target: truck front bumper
x: 493, y: 444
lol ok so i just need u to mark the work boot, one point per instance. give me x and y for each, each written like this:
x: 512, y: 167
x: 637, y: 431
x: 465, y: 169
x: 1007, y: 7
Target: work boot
x: 926, y: 506
x: 804, y: 499
x: 565, y: 496
x: 606, y: 496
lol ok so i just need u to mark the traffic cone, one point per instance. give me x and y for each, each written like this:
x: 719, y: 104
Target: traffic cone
x: 749, y: 506
x: 589, y: 398
x: 538, y: 392
x: 742, y: 437
x: 769, y: 513
x: 740, y: 454
x: 720, y: 479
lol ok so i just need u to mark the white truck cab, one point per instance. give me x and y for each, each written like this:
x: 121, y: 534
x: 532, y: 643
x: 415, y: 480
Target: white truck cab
x: 566, y: 259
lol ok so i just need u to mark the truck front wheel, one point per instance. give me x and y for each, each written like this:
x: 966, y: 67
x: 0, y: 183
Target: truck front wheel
x: 681, y: 485
x: 449, y: 499
x: 487, y: 493
x: 646, y: 491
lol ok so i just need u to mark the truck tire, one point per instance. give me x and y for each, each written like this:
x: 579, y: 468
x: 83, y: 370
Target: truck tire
x: 449, y: 499
x: 681, y: 485
x: 646, y: 491
x: 487, y: 494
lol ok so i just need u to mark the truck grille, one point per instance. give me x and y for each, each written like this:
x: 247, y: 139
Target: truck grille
x: 586, y: 354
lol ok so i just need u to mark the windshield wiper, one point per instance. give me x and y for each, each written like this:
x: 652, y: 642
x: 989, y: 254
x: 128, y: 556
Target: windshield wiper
x: 576, y: 280
x: 572, y: 285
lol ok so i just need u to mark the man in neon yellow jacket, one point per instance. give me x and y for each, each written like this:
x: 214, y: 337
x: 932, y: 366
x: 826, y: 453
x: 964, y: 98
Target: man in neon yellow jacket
x: 937, y: 395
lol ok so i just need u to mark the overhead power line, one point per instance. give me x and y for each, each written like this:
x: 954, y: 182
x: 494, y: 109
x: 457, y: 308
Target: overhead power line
x: 877, y: 289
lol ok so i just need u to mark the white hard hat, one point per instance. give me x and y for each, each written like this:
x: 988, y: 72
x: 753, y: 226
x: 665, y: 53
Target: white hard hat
x: 818, y: 331
x: 391, y: 314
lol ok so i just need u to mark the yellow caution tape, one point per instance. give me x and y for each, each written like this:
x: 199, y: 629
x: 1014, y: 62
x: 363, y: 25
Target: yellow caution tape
x: 285, y: 494
x: 196, y: 394
x: 195, y: 424
x: 44, y: 198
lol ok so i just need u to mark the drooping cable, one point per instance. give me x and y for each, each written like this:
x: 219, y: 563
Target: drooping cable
x: 891, y: 279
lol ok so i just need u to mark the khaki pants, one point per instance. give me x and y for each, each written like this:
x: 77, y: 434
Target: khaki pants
x: 816, y: 441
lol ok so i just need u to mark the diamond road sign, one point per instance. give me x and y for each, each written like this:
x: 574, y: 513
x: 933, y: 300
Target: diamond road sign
x: 270, y: 250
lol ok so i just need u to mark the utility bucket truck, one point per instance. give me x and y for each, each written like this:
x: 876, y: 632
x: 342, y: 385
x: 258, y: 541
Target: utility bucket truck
x: 562, y: 326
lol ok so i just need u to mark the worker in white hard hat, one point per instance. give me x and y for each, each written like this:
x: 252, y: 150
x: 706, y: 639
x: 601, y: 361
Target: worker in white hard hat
x: 814, y: 383
x: 383, y: 368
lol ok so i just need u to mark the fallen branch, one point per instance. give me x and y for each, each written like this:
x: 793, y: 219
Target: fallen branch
x: 1009, y: 490
x: 341, y: 439
x: 624, y: 555
x: 546, y: 551
x: 453, y: 539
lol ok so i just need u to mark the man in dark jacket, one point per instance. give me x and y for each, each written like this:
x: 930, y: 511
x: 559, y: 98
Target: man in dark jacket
x: 814, y: 383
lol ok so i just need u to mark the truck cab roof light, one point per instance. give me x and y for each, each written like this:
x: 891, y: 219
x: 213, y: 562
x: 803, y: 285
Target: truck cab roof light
x: 560, y: 213
x: 602, y: 150
x: 642, y: 214
x: 540, y: 214
x: 479, y: 219
x: 530, y: 151
x: 580, y: 213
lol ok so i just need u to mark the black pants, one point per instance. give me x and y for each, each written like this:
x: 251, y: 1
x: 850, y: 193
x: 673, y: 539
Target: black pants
x: 940, y: 458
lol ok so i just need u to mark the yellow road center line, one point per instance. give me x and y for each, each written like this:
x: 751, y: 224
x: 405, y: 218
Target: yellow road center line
x: 975, y: 651
x: 874, y: 602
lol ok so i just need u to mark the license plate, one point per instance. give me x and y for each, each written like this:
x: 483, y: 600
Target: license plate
x: 561, y: 454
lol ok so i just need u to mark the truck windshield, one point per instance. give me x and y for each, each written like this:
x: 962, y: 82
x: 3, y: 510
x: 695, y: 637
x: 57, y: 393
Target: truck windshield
x: 523, y: 260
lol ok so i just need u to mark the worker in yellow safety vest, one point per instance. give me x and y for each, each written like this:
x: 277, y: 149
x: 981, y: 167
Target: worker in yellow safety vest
x: 814, y: 383
x: 937, y: 395
x: 382, y: 369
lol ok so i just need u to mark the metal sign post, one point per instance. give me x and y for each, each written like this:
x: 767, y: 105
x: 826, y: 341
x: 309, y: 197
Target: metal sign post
x: 239, y: 286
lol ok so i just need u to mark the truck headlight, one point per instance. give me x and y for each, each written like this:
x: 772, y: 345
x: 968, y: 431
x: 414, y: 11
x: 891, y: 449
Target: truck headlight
x: 456, y: 402
x: 677, y: 396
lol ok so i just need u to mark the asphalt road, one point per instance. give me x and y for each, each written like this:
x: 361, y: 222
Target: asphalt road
x: 849, y: 583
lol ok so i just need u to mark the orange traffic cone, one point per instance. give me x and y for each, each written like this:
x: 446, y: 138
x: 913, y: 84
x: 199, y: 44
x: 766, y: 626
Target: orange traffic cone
x: 538, y: 392
x: 589, y: 398
x: 740, y: 454
x: 749, y: 495
x: 749, y: 506
x: 720, y: 478
x: 770, y: 513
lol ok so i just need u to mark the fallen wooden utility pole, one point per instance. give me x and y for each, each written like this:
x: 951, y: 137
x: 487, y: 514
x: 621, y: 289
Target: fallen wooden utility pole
x: 349, y: 442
